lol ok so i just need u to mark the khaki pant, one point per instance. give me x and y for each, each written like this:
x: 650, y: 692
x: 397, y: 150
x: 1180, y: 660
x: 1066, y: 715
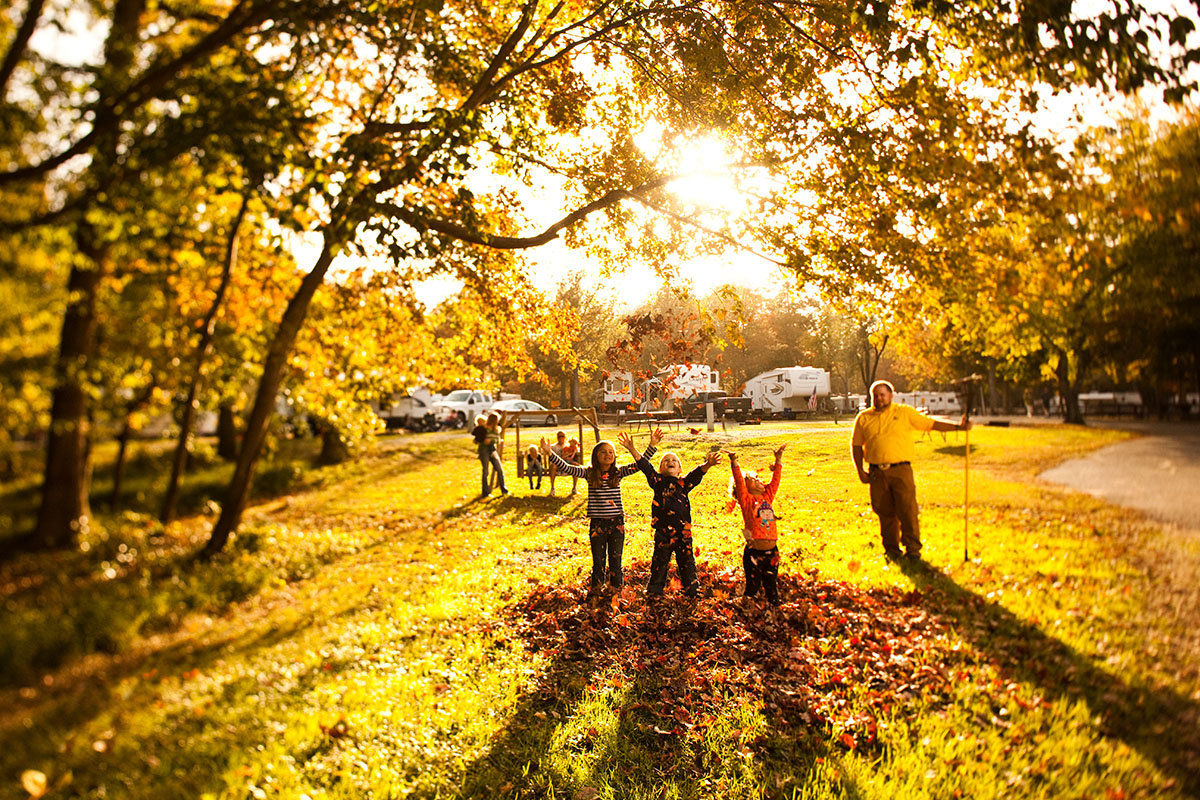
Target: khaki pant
x: 894, y: 499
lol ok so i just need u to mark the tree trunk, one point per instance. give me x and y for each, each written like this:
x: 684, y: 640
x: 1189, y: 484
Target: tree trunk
x: 869, y: 358
x: 227, y: 435
x: 183, y: 446
x: 238, y: 491
x: 1068, y: 392
x: 114, y: 497
x: 65, y: 509
x: 67, y: 476
x: 333, y: 446
x: 991, y: 378
x: 574, y: 388
x: 143, y: 397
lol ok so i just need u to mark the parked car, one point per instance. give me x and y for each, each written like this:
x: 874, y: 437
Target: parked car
x: 460, y: 407
x: 526, y: 405
x: 692, y: 406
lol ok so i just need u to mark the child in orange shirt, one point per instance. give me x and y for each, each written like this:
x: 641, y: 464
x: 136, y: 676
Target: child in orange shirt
x: 760, y: 559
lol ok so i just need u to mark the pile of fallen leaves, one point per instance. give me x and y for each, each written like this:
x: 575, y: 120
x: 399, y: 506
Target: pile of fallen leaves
x: 832, y: 654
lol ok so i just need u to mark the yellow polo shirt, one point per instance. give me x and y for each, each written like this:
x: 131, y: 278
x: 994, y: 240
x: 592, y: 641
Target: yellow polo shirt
x: 887, y: 436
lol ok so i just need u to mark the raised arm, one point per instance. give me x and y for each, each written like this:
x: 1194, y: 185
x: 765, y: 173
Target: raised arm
x: 776, y: 473
x: 629, y: 469
x: 627, y: 442
x: 739, y: 484
x: 697, y: 474
x: 639, y: 460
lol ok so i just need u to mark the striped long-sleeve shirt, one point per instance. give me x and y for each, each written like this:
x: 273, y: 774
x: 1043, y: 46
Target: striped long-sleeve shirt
x: 603, y: 500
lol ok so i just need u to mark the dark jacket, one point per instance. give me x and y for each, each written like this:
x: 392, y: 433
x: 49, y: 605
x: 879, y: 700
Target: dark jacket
x: 670, y: 507
x: 485, y: 440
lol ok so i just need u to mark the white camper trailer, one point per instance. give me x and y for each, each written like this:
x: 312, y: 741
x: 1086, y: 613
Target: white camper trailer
x: 787, y: 390
x: 618, y: 391
x: 663, y: 392
x: 930, y: 402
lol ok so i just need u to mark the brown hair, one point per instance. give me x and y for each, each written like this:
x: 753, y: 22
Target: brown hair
x: 594, y: 472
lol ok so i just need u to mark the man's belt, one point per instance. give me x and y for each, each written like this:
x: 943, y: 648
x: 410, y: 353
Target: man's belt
x: 893, y: 464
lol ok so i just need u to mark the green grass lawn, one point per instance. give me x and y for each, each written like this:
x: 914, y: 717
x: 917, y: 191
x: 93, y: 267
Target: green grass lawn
x: 382, y: 632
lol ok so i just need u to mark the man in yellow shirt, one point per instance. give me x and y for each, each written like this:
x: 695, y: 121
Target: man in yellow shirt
x: 883, y: 439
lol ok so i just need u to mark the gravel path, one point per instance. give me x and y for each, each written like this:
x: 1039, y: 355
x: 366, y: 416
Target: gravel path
x: 1157, y: 473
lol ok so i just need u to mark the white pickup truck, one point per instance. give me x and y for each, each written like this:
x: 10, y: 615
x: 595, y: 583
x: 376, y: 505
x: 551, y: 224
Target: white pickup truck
x: 460, y: 407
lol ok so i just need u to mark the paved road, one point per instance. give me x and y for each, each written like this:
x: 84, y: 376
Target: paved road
x: 1157, y: 473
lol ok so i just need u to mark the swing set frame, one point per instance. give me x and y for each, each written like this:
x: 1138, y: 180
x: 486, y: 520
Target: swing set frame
x: 576, y: 416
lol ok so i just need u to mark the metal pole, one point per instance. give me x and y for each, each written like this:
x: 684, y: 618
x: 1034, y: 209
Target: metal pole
x: 966, y: 494
x: 965, y: 393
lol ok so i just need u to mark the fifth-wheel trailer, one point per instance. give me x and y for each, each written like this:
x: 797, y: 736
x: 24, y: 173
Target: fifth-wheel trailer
x: 787, y: 390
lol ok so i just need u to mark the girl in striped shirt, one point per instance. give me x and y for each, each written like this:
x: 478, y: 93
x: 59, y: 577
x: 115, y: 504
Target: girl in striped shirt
x: 604, y: 509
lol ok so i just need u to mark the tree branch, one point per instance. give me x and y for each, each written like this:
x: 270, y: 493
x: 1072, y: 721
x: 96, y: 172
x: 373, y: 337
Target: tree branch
x: 456, y: 231
x: 483, y: 86
x: 15, y: 50
x: 108, y: 116
x: 725, y: 237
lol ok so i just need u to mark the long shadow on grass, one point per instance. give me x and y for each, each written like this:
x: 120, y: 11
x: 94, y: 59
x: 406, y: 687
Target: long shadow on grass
x: 522, y: 509
x: 634, y: 696
x: 195, y: 742
x: 1158, y: 722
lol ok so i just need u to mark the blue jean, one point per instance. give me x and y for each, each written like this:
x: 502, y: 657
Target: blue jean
x: 491, y: 457
x: 607, y: 536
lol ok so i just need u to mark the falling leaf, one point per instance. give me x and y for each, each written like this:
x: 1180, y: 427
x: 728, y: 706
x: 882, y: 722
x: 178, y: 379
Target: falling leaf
x: 34, y: 782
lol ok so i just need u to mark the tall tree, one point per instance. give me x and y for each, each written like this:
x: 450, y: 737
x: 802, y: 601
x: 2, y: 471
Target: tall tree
x: 101, y: 131
x: 1154, y: 337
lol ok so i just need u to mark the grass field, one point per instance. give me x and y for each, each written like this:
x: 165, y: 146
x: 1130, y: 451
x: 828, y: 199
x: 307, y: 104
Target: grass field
x: 382, y: 632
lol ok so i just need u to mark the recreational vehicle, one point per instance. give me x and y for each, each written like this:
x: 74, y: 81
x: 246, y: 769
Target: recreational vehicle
x: 663, y: 392
x: 787, y: 390
x: 931, y: 402
x: 618, y: 391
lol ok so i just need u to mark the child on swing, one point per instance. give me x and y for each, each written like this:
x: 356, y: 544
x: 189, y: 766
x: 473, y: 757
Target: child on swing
x: 671, y: 516
x: 760, y: 559
x: 569, y: 450
x: 606, y: 527
x: 533, y: 465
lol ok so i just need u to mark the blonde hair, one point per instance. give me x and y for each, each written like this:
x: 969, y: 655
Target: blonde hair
x: 531, y: 450
x: 664, y: 458
x: 480, y: 420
